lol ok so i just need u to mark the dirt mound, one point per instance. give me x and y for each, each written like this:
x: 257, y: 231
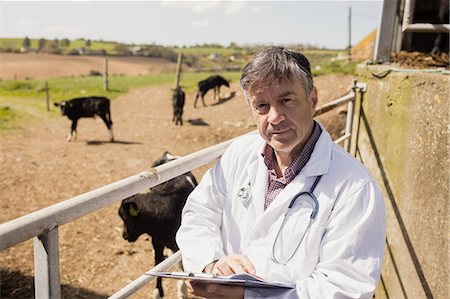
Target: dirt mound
x: 420, y: 60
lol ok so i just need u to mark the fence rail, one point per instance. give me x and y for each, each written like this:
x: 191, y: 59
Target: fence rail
x: 42, y: 225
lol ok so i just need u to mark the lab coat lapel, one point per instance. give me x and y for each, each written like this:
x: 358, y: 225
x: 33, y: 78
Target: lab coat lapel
x: 258, y: 180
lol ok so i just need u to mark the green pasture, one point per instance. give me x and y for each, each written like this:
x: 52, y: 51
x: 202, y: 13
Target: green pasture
x: 22, y: 101
x: 14, y: 44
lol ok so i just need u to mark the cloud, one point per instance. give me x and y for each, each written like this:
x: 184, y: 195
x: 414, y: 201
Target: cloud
x: 234, y: 7
x: 26, y: 23
x: 62, y: 30
x: 197, y: 7
x: 201, y: 23
x: 205, y: 7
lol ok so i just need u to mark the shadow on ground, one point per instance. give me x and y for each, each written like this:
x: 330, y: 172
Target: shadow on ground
x: 198, y: 122
x: 14, y: 284
x: 100, y: 142
x: 225, y: 99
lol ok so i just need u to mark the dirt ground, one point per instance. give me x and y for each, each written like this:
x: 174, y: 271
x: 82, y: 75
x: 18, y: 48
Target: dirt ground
x: 40, y: 168
x: 44, y: 66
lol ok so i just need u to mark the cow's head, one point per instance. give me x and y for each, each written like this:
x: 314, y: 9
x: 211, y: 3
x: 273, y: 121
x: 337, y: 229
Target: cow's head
x: 132, y: 222
x: 166, y: 157
x: 224, y: 82
x: 63, y: 105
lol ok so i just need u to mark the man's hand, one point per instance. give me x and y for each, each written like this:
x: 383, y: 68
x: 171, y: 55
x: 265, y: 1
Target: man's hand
x: 231, y: 264
x: 214, y: 290
x: 227, y: 265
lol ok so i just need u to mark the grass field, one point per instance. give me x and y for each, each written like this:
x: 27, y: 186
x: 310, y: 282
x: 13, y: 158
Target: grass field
x: 26, y: 100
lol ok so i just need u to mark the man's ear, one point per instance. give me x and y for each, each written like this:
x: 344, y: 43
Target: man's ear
x: 314, y: 99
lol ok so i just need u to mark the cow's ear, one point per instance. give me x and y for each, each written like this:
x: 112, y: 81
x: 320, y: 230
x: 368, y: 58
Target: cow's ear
x: 56, y: 104
x: 132, y: 209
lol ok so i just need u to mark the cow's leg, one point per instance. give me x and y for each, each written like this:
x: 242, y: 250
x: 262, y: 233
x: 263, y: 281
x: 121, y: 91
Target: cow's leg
x: 73, y: 130
x: 107, y: 120
x: 217, y: 90
x: 203, y: 99
x: 196, y: 98
x: 159, y: 257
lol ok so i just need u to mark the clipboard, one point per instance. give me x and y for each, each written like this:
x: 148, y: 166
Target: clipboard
x: 241, y: 279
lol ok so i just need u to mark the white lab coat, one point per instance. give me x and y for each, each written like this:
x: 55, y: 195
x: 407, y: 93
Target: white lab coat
x: 342, y: 252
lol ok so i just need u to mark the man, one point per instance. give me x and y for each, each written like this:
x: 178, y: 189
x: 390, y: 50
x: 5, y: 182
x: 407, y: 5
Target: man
x: 287, y: 204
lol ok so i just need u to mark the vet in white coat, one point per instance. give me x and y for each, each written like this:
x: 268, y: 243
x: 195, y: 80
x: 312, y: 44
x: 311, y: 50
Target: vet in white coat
x: 341, y: 253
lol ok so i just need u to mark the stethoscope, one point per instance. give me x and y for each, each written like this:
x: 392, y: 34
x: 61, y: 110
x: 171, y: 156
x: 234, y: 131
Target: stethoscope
x: 315, y: 210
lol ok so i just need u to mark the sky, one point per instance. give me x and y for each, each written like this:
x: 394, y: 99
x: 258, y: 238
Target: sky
x: 186, y: 23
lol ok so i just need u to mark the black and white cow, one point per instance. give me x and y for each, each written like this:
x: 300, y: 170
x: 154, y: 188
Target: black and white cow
x: 93, y: 106
x: 178, y: 98
x: 158, y: 214
x: 212, y: 82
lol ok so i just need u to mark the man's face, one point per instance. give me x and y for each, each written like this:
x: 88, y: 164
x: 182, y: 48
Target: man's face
x: 283, y: 114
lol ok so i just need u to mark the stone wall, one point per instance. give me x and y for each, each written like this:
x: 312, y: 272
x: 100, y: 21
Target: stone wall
x: 403, y: 138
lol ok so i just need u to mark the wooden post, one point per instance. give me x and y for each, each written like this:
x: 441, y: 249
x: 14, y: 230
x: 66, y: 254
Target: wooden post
x: 47, y: 98
x: 105, y: 75
x: 180, y: 58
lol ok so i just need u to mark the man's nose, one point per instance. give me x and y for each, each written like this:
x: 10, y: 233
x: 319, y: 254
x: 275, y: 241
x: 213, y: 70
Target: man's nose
x: 275, y: 115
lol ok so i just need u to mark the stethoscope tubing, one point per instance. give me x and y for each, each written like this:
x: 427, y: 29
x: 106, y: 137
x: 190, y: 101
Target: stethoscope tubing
x: 312, y: 217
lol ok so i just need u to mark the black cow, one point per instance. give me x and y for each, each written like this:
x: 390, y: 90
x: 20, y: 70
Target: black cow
x: 178, y: 99
x: 158, y: 214
x: 93, y: 106
x: 215, y: 82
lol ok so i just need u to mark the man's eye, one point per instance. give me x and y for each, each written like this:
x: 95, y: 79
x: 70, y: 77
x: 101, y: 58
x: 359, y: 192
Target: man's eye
x: 286, y: 100
x: 259, y: 105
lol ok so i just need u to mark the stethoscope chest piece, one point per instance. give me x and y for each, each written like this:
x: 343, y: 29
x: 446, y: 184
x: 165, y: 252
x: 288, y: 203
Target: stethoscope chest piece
x: 244, y: 193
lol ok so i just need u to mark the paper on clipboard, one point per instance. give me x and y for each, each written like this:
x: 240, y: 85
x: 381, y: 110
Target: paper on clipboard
x: 242, y: 279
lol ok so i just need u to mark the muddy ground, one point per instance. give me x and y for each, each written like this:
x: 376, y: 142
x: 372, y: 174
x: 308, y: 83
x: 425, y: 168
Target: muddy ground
x: 40, y: 168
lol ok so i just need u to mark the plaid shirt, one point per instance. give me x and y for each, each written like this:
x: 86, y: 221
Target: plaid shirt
x: 274, y: 184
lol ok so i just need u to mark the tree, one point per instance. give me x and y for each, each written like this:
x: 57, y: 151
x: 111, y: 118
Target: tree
x: 88, y: 43
x: 65, y: 42
x: 122, y: 49
x: 41, y: 44
x: 26, y: 42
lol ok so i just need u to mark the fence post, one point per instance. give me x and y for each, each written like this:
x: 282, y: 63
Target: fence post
x: 356, y: 120
x: 349, y: 122
x: 47, y: 98
x: 180, y: 58
x: 46, y: 265
x: 105, y: 75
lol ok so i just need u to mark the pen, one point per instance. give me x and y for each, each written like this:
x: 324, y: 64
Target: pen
x: 201, y: 275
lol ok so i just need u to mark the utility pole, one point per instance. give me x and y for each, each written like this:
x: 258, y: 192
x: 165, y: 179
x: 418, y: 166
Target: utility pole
x: 180, y: 59
x: 350, y: 33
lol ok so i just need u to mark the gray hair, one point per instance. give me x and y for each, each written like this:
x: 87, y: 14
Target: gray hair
x: 276, y: 64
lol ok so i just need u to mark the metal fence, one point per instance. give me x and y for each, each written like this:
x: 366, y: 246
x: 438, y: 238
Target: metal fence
x: 42, y: 225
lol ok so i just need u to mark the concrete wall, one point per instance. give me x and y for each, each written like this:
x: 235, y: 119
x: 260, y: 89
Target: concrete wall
x: 403, y: 138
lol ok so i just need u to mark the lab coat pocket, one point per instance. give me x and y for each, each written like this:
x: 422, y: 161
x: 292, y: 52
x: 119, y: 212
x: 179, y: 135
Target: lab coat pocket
x: 291, y: 233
